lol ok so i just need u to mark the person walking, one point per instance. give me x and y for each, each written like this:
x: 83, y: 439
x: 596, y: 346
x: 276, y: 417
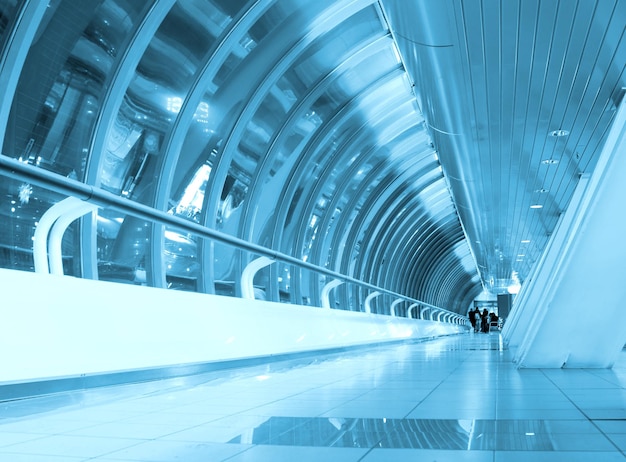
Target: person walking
x: 477, y: 320
x: 485, y: 321
x: 472, y: 319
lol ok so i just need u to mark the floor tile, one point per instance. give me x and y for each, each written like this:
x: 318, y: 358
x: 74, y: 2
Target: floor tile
x: 9, y: 438
x: 71, y: 446
x: 169, y: 451
x: 452, y: 399
x: 558, y: 456
x: 141, y: 431
x: 545, y: 414
x: 299, y: 454
x: 414, y: 455
x: 13, y: 457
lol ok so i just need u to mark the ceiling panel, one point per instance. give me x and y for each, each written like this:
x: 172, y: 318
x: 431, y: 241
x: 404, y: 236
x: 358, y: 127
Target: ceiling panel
x: 518, y: 97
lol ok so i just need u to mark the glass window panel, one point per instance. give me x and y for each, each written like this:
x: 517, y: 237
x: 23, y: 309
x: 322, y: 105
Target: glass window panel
x: 132, y: 157
x: 271, y: 115
x: 182, y: 267
x: 286, y: 289
x: 220, y: 87
x: 156, y: 96
x: 126, y: 155
x: 191, y: 180
x: 229, y: 70
x: 304, y: 292
x: 22, y: 206
x: 263, y: 283
x: 122, y: 247
x: 326, y: 152
x: 180, y: 256
x: 64, y: 78
x: 8, y: 12
x: 225, y: 278
x: 334, y: 47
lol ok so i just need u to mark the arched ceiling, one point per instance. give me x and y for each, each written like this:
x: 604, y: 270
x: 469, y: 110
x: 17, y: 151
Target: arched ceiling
x: 518, y: 97
x: 400, y: 142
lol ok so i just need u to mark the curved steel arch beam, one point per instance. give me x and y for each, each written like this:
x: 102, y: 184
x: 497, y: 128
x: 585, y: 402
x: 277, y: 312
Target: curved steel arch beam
x: 314, y: 93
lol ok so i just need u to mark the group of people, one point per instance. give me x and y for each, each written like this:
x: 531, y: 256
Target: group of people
x: 481, y: 321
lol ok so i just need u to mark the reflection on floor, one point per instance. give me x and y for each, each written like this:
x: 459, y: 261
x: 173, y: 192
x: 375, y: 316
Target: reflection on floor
x: 453, y: 399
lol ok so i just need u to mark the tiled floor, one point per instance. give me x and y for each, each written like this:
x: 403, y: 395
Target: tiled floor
x: 452, y: 399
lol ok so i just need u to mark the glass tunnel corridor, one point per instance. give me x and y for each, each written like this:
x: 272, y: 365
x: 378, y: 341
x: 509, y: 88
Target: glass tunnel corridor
x: 457, y: 398
x: 194, y: 184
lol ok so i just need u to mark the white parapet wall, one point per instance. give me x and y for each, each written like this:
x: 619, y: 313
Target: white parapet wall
x: 59, y: 326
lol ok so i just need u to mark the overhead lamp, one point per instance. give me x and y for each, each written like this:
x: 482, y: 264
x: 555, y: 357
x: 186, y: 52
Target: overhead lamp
x: 559, y: 133
x: 525, y: 241
x: 541, y: 191
x: 536, y: 206
x: 550, y: 161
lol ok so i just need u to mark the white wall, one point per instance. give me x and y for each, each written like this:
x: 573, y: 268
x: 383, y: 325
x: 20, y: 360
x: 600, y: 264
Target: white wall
x: 571, y: 312
x: 56, y: 326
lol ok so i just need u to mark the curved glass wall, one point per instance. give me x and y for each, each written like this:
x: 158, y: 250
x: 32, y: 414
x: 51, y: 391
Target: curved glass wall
x: 292, y: 125
x: 64, y: 79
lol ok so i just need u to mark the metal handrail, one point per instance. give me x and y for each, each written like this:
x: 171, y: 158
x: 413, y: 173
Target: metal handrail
x: 100, y: 197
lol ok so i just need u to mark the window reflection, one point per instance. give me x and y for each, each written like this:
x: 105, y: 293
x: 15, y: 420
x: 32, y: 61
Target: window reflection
x: 8, y: 10
x: 434, y: 434
x: 285, y: 282
x: 182, y: 268
x: 122, y: 243
x: 57, y: 99
x: 181, y: 261
x: 190, y: 204
x: 126, y: 155
x: 133, y: 156
x: 233, y: 194
x: 21, y: 207
x: 62, y: 83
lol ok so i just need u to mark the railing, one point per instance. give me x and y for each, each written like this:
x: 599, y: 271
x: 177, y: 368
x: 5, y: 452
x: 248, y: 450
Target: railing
x: 57, y: 220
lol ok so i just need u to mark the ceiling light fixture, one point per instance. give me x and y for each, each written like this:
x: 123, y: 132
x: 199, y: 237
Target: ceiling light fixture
x: 549, y: 161
x: 525, y: 241
x: 536, y: 206
x: 542, y: 190
x: 559, y: 133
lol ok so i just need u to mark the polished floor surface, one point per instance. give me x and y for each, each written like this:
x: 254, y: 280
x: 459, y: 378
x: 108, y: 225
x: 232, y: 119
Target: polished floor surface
x: 452, y: 399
